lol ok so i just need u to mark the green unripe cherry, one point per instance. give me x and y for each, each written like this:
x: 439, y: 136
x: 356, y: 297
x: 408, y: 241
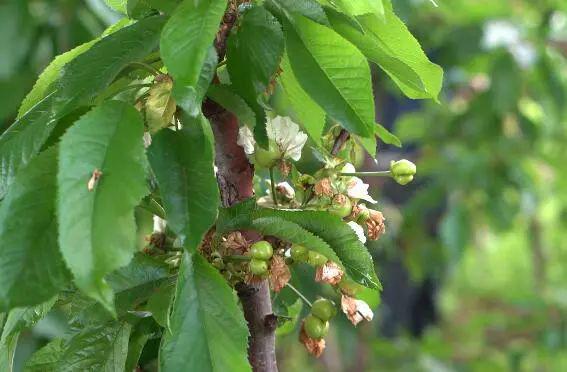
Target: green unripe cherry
x: 299, y: 252
x: 402, y: 171
x: 258, y: 267
x: 265, y: 158
x: 261, y: 250
x: 315, y: 327
x: 341, y: 206
x: 316, y: 258
x: 324, y: 309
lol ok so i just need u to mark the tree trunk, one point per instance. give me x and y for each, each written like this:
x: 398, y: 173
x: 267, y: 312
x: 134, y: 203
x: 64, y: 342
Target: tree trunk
x: 235, y: 179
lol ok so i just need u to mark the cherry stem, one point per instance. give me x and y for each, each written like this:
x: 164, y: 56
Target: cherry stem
x: 299, y: 294
x: 236, y: 258
x: 273, y: 186
x: 378, y: 173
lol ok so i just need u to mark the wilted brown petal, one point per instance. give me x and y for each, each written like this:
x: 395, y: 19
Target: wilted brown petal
x: 375, y: 225
x: 356, y: 310
x: 329, y: 273
x: 279, y: 273
x: 235, y: 242
x: 323, y: 187
x: 313, y: 346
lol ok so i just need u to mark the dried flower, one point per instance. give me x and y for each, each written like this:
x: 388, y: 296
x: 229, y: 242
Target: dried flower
x: 97, y: 173
x: 236, y: 242
x: 323, y: 187
x: 356, y: 310
x: 375, y: 225
x: 330, y: 273
x: 279, y: 273
x: 313, y: 346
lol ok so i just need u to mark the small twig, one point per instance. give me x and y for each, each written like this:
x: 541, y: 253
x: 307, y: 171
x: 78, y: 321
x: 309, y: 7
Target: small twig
x: 273, y: 186
x: 299, y: 294
x: 144, y: 66
x: 378, y: 173
x: 340, y: 141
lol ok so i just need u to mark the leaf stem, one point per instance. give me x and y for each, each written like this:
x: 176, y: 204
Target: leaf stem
x: 377, y: 173
x: 152, y: 206
x: 144, y: 66
x: 299, y: 294
x: 273, y: 186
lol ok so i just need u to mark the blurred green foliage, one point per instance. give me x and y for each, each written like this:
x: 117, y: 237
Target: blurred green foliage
x: 488, y: 219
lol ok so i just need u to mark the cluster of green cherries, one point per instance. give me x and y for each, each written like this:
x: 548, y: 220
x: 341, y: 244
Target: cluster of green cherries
x: 316, y: 324
x: 261, y: 253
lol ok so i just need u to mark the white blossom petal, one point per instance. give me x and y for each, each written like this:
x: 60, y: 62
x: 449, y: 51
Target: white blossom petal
x: 287, y: 136
x: 159, y: 224
x: 357, y: 189
x: 246, y: 140
x: 286, y: 190
x: 348, y: 168
x: 359, y: 231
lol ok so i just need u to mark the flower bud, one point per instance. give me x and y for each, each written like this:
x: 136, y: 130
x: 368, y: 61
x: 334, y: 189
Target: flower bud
x: 402, y: 171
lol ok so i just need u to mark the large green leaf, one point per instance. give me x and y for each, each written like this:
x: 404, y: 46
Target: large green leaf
x: 183, y: 164
x: 388, y: 43
x: 208, y: 330
x: 341, y: 238
x: 316, y: 228
x: 227, y: 98
x: 46, y: 358
x: 81, y: 80
x: 185, y: 46
x: 333, y: 72
x: 31, y: 267
x: 97, y: 231
x: 254, y: 51
x: 291, y: 8
x: 99, y: 348
x: 132, y: 284
x: 16, y: 321
x: 44, y: 84
x: 303, y: 109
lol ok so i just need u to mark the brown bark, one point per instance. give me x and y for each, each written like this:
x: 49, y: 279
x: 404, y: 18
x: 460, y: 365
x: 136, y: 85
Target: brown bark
x: 235, y: 179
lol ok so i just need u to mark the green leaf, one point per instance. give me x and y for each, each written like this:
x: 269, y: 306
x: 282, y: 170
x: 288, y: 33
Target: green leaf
x: 291, y: 8
x: 31, y: 267
x: 224, y: 96
x: 132, y: 284
x: 293, y: 233
x: 18, y: 320
x: 303, y: 109
x: 49, y: 75
x: 98, y: 348
x: 118, y: 5
x: 341, y: 238
x: 387, y: 137
x: 293, y: 312
x: 208, y: 330
x: 97, y: 231
x: 160, y: 105
x: 44, y: 84
x: 46, y: 358
x: 254, y: 51
x: 333, y: 72
x: 185, y: 45
x: 159, y: 303
x: 140, y: 335
x: 388, y: 43
x: 183, y: 164
x: 81, y: 80
x: 318, y: 230
x: 361, y: 7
